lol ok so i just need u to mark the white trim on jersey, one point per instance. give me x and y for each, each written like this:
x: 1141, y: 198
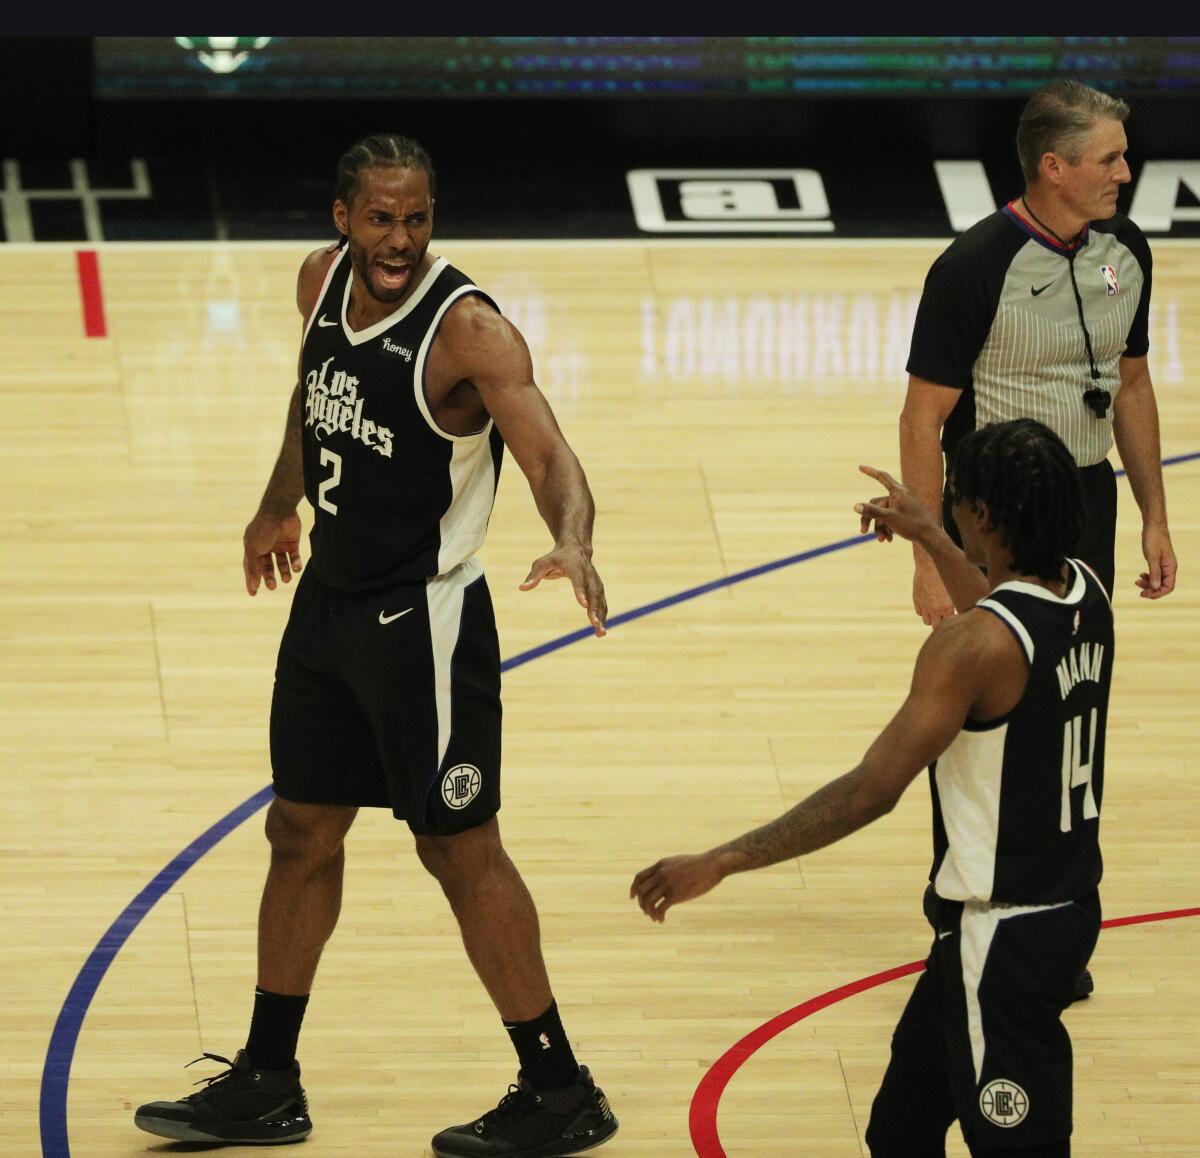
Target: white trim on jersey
x: 444, y: 595
x: 1099, y: 583
x: 1013, y: 622
x: 419, y: 369
x: 977, y: 929
x: 968, y: 780
x: 324, y: 289
x: 463, y: 528
x: 358, y: 337
x: 1074, y: 592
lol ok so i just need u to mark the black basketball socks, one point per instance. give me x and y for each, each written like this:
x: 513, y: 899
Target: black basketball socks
x: 275, y: 1029
x: 547, y: 1060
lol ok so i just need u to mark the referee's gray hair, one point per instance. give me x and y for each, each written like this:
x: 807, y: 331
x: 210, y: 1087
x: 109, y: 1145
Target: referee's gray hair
x: 1058, y: 119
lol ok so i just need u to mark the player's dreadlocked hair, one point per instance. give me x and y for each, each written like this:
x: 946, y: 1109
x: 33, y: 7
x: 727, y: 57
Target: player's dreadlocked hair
x: 382, y: 151
x: 1031, y: 486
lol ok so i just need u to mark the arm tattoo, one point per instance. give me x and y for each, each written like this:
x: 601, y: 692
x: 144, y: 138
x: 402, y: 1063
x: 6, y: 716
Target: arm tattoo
x: 832, y: 812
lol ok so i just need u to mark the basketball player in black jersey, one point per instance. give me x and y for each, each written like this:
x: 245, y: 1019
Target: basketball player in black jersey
x: 1007, y: 708
x: 387, y: 689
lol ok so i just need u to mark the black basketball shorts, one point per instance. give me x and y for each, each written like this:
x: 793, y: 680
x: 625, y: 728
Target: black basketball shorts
x: 981, y: 1039
x: 392, y: 700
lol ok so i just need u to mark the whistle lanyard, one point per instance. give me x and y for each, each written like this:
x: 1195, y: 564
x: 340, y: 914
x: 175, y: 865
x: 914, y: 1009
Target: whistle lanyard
x: 1092, y: 395
x: 1087, y: 338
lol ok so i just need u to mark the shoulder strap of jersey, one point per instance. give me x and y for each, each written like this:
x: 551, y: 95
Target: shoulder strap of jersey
x: 1012, y: 621
x: 1085, y: 568
x: 330, y: 273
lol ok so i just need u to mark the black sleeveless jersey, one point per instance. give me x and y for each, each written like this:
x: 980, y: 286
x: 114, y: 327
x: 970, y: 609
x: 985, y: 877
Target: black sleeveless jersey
x: 394, y: 496
x: 1016, y: 801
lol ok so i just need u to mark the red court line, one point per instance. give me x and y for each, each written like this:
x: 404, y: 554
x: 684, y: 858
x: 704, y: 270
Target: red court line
x: 702, y: 1117
x: 88, y: 266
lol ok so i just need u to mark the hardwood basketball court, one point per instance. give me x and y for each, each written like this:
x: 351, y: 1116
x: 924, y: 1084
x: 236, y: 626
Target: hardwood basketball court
x: 720, y: 397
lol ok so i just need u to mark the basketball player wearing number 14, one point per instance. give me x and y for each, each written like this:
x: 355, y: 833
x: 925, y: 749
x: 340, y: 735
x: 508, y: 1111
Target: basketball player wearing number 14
x: 1008, y: 705
x: 387, y: 690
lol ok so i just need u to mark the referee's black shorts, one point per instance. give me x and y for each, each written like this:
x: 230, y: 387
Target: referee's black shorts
x: 1098, y: 547
x: 392, y: 700
x: 981, y: 1039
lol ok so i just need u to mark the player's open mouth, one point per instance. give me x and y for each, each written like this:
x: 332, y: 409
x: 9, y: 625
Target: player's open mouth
x: 393, y: 274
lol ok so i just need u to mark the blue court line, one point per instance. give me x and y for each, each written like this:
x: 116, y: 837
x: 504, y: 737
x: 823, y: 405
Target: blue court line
x: 681, y: 597
x: 1175, y: 458
x: 60, y: 1053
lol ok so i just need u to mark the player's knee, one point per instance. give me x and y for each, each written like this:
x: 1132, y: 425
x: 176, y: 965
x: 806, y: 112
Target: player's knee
x: 306, y: 831
x: 458, y: 860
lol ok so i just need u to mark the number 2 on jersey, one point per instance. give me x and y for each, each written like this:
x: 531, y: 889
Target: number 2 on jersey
x: 1077, y: 770
x: 332, y: 481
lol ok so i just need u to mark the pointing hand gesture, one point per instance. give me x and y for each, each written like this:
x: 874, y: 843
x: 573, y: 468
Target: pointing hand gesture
x: 899, y: 512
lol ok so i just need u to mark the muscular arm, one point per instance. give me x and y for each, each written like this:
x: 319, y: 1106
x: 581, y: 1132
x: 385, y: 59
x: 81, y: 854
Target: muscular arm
x: 968, y: 665
x: 1135, y: 427
x: 926, y: 408
x: 285, y: 488
x: 478, y: 345
x: 272, y: 537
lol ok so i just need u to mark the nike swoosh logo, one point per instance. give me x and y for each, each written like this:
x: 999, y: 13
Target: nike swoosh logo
x: 947, y: 933
x: 322, y: 322
x: 1035, y: 292
x: 388, y: 618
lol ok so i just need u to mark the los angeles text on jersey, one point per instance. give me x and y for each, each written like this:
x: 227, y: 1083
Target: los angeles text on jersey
x: 332, y: 402
x: 1080, y: 663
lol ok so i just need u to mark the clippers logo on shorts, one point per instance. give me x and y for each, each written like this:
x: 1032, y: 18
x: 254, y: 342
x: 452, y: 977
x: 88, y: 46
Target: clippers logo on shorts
x: 332, y: 402
x: 461, y: 785
x: 1003, y: 1103
x: 1110, y: 280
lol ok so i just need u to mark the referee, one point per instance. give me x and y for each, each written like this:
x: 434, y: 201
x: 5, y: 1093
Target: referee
x: 1040, y: 311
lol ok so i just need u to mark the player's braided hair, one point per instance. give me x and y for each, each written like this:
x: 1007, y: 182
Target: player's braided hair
x: 1031, y: 486
x: 381, y: 151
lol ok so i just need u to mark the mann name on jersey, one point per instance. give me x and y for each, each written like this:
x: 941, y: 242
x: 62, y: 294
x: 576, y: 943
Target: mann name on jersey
x: 1083, y: 662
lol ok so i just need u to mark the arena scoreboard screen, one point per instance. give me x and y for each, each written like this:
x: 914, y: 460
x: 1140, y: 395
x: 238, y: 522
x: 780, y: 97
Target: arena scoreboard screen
x: 597, y: 66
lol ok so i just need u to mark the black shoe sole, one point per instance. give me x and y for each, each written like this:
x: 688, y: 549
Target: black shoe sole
x: 183, y: 1132
x: 560, y: 1148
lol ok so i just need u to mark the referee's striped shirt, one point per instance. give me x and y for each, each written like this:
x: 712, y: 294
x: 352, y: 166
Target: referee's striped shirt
x: 998, y: 320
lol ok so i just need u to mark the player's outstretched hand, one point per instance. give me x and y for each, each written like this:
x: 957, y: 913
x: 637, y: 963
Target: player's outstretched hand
x: 573, y: 563
x: 899, y: 512
x: 674, y: 880
x: 270, y: 539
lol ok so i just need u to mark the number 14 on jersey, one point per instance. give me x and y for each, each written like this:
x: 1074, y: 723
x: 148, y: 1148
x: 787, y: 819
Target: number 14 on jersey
x: 1077, y: 769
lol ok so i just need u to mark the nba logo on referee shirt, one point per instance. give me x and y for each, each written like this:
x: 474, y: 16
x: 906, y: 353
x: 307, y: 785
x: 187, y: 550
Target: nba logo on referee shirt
x: 1003, y: 1103
x: 1110, y: 280
x: 461, y: 785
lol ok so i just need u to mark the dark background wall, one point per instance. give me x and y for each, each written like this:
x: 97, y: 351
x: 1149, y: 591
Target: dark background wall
x: 526, y: 167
